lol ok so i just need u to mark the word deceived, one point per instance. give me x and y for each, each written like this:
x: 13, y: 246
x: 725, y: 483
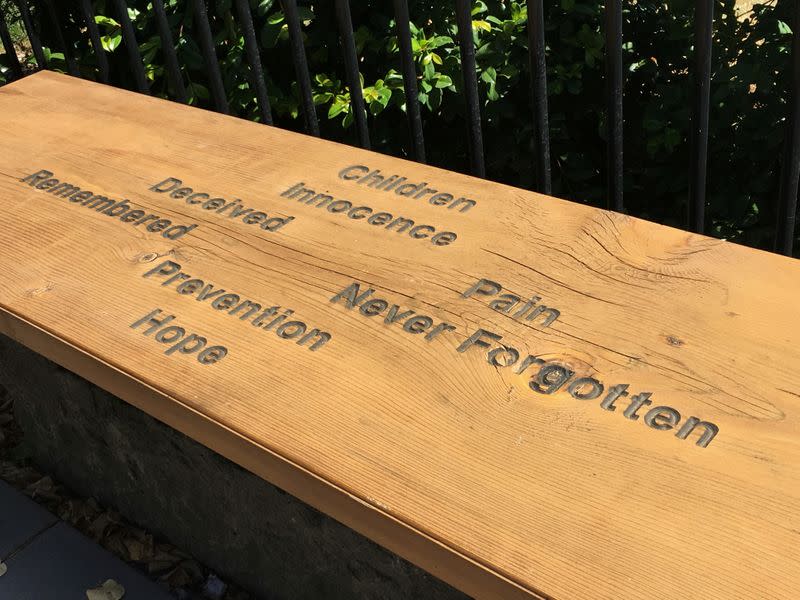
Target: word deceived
x: 268, y: 319
x: 551, y: 375
x: 376, y: 180
x: 380, y: 219
x: 44, y: 181
x: 234, y: 209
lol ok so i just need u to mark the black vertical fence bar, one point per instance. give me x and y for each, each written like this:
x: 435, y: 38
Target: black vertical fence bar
x: 55, y: 23
x: 33, y: 35
x: 218, y: 94
x: 470, y: 75
x: 613, y: 40
x: 409, y: 79
x: 538, y: 81
x: 254, y: 60
x: 351, y: 70
x: 703, y: 28
x: 790, y: 174
x: 168, y: 49
x: 131, y: 46
x: 94, y: 36
x: 8, y: 46
x: 301, y: 66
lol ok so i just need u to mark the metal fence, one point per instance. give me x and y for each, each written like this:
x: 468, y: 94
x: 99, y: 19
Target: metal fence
x: 697, y: 172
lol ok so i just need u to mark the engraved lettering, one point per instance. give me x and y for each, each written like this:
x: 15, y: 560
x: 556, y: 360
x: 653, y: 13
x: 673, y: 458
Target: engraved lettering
x: 37, y: 177
x: 476, y: 340
x: 190, y: 287
x: 394, y: 315
x: 614, y: 392
x: 637, y: 402
x: 170, y: 182
x: 225, y: 301
x: 351, y: 295
x: 662, y: 417
x: 370, y: 308
x: 417, y: 324
x: 401, y: 186
x: 510, y: 356
x: 709, y: 431
x: 550, y: 378
x: 507, y: 302
x: 353, y: 172
x: 585, y: 388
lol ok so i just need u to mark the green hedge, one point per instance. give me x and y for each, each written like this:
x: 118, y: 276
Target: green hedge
x: 749, y: 92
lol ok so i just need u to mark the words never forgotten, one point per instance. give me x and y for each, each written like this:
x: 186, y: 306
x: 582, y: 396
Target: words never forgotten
x: 551, y: 376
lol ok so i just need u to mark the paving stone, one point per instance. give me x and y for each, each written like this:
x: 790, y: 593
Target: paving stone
x: 62, y: 564
x: 20, y: 520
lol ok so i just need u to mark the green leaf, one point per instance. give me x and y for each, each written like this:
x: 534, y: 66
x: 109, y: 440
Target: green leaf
x: 481, y: 25
x: 335, y: 109
x: 783, y: 28
x: 443, y: 81
x: 480, y: 7
x: 439, y: 41
x: 110, y: 43
x: 107, y: 21
x: 322, y: 98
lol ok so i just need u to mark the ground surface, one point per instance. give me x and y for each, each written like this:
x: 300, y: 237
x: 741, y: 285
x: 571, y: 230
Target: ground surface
x: 175, y: 571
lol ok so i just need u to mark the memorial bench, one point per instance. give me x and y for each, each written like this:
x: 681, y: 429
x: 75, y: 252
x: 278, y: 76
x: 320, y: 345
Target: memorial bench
x: 527, y: 397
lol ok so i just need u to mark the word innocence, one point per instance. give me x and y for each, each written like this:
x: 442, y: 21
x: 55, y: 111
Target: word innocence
x: 366, y: 214
x: 44, y: 181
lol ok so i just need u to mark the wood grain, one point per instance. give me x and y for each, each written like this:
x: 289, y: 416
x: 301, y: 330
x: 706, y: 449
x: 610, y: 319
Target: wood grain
x: 455, y: 463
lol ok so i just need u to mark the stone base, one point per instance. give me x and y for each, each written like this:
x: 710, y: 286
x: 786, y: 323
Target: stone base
x: 239, y: 525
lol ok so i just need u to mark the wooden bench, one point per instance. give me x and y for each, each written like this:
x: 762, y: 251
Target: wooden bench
x: 525, y: 396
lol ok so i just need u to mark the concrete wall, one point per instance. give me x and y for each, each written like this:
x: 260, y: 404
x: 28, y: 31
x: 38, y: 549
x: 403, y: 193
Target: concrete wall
x: 239, y: 525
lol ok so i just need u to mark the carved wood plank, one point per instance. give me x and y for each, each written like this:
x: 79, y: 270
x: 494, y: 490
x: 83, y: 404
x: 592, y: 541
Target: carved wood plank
x: 527, y: 397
